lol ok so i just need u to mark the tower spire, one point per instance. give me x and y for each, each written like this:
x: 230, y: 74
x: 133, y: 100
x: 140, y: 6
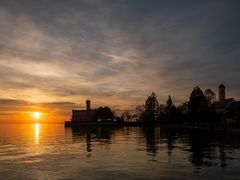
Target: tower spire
x: 221, y: 92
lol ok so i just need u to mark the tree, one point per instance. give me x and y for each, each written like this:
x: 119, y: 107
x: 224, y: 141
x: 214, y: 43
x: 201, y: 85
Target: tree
x: 105, y: 113
x: 169, y: 101
x: 183, y: 111
x: 140, y: 111
x: 210, y: 96
x: 126, y: 116
x: 171, y: 111
x: 198, y: 105
x: 151, y: 108
x: 149, y: 112
x: 162, y: 112
x: 183, y: 108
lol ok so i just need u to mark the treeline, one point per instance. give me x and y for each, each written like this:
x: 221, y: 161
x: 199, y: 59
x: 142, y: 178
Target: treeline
x: 199, y: 108
x: 104, y: 113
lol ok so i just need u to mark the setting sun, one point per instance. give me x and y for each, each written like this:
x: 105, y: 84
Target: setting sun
x: 36, y: 115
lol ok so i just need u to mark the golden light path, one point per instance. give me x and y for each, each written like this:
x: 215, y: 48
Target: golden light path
x: 36, y: 116
x: 36, y: 127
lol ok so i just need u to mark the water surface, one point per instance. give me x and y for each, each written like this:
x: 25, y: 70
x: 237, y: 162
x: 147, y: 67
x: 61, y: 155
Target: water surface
x: 50, y: 151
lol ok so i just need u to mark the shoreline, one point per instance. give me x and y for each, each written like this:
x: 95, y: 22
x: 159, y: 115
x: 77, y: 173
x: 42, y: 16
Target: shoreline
x: 234, y: 127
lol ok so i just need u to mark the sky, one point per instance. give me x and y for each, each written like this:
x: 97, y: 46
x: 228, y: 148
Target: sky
x: 56, y: 54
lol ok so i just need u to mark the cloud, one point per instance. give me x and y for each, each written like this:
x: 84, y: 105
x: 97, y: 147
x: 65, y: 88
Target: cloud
x: 116, y: 53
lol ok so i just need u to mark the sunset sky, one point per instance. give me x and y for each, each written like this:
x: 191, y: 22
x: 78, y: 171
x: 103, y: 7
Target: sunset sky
x: 56, y: 54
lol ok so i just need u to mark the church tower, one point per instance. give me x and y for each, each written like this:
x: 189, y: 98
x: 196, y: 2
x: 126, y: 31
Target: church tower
x: 221, y: 92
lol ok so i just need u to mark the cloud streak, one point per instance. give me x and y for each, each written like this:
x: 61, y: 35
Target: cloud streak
x: 116, y: 53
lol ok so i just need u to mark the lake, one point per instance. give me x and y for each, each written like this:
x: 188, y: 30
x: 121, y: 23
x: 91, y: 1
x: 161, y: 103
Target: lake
x: 51, y: 151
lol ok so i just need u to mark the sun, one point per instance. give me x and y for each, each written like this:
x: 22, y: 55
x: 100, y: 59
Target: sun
x: 36, y: 115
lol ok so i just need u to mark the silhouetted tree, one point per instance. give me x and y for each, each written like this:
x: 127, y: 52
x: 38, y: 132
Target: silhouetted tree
x: 149, y: 112
x: 200, y: 108
x: 126, y: 116
x: 171, y: 111
x: 105, y: 113
x: 114, y: 113
x: 162, y: 113
x: 183, y: 111
x: 210, y: 96
x: 151, y: 108
x: 118, y: 119
x: 169, y: 102
x: 198, y: 105
x: 140, y: 111
x: 211, y: 112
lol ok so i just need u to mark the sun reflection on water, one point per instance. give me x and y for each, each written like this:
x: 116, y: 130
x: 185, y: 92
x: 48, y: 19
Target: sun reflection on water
x: 36, y: 127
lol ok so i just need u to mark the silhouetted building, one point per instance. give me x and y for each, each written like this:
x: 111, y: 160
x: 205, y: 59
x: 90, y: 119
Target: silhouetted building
x: 232, y: 112
x: 222, y: 104
x: 229, y: 108
x: 221, y: 92
x: 88, y: 115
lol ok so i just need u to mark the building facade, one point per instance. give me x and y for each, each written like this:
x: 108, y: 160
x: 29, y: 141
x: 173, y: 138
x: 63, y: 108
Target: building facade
x: 88, y: 115
x: 227, y: 107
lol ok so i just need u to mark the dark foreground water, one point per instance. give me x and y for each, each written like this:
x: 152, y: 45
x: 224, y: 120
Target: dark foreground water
x: 40, y: 151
